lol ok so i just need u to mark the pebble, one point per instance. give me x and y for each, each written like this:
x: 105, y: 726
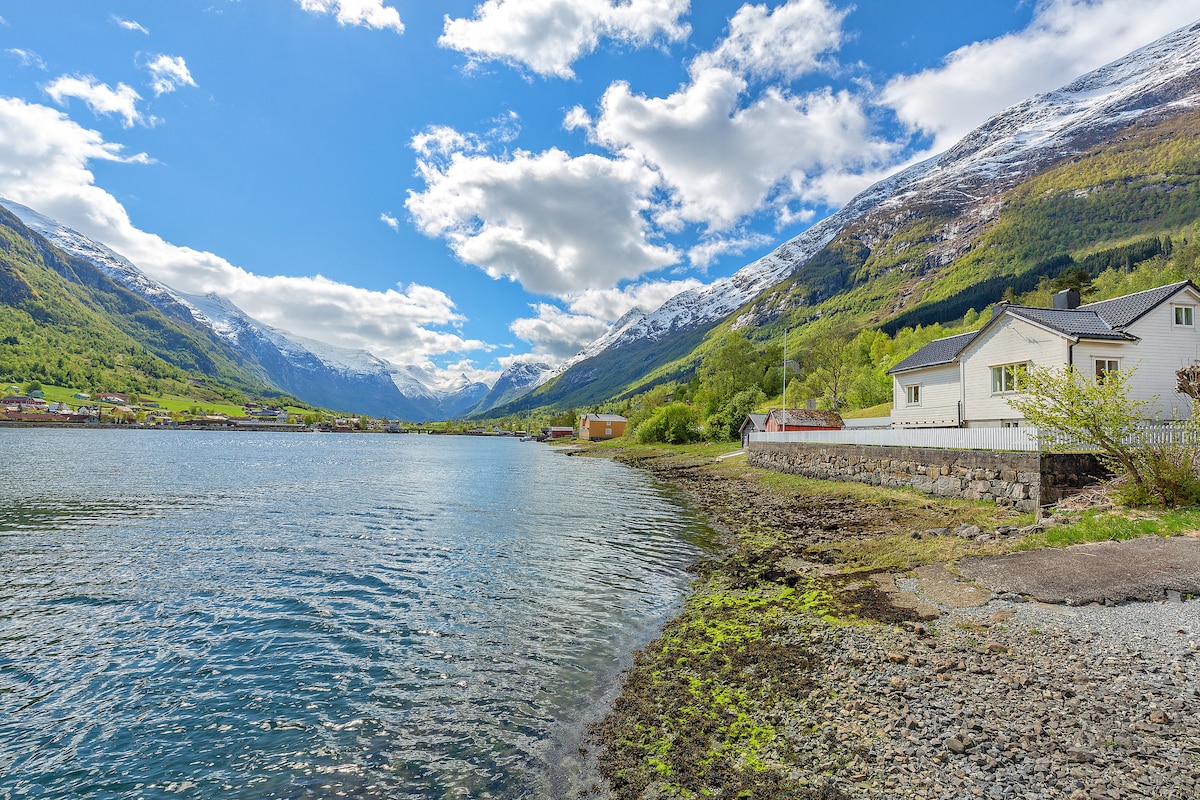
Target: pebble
x: 1012, y: 700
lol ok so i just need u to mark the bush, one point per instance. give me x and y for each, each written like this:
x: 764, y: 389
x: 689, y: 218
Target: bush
x: 670, y: 424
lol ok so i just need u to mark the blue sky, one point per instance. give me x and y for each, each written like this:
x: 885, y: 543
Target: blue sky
x: 459, y: 185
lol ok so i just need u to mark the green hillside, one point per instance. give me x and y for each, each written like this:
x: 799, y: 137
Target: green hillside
x: 884, y: 291
x: 63, y: 322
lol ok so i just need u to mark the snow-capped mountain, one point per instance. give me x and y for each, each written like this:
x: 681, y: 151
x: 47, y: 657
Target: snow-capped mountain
x: 515, y: 382
x: 316, y: 372
x: 1159, y: 79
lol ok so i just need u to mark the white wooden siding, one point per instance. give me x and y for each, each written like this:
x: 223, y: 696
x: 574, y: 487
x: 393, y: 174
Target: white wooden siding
x: 1010, y: 341
x: 939, y: 397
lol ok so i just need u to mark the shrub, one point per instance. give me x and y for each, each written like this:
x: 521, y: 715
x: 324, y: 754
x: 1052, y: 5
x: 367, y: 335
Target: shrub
x: 670, y: 424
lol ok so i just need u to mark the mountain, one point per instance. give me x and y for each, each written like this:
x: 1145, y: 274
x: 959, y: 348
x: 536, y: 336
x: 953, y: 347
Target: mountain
x: 67, y: 322
x: 514, y: 383
x: 913, y: 241
x: 315, y: 372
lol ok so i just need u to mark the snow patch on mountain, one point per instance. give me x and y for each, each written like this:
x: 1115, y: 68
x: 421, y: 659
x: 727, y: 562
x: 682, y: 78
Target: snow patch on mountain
x: 1155, y: 79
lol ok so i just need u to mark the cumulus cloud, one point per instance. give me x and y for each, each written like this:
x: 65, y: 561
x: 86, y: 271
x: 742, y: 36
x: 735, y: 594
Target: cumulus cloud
x: 368, y: 13
x: 710, y: 248
x: 44, y: 164
x: 554, y: 223
x: 556, y: 334
x: 1065, y: 39
x: 390, y: 220
x: 27, y: 58
x: 130, y: 25
x: 785, y: 42
x: 724, y: 159
x: 609, y: 305
x: 548, y: 36
x: 99, y: 97
x: 168, y: 73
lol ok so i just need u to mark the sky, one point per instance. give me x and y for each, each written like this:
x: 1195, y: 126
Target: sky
x: 462, y: 185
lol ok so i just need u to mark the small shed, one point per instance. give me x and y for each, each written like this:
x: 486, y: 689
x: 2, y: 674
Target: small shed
x: 754, y: 423
x: 803, y: 419
x: 558, y: 432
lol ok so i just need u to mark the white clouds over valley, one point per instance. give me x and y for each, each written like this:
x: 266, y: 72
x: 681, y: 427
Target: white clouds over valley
x: 44, y: 164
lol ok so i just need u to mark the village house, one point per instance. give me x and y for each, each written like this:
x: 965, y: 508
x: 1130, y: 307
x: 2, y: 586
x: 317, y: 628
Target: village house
x: 966, y: 380
x: 596, y: 427
x: 780, y: 420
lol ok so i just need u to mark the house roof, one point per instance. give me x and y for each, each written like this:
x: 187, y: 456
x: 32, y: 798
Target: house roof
x: 605, y: 417
x: 757, y: 422
x: 939, y: 351
x: 1106, y: 319
x: 806, y: 417
x: 1121, y: 312
x: 1075, y: 323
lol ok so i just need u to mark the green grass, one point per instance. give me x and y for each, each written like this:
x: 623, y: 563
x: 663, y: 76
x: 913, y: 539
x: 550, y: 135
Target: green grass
x: 1115, y: 526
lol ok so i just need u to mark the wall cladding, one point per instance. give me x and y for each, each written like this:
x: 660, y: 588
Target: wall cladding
x: 1020, y: 480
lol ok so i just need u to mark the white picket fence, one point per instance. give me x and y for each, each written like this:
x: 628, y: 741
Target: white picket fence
x: 1019, y: 439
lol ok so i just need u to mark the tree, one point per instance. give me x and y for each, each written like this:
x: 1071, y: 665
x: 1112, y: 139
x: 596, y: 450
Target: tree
x: 830, y: 363
x: 1076, y: 410
x: 671, y: 424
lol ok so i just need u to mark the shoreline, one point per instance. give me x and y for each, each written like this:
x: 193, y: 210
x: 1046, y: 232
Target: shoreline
x: 813, y: 659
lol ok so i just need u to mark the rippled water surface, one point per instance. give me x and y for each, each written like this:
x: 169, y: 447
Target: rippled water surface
x: 189, y: 614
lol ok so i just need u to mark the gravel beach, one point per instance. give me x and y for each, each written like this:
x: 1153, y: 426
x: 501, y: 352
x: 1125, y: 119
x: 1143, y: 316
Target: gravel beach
x: 931, y: 687
x: 1018, y: 700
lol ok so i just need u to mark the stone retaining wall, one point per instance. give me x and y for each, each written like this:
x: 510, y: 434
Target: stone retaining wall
x: 1021, y: 480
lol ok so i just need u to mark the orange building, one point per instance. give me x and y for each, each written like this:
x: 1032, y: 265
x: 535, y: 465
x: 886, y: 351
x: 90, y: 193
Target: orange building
x: 595, y: 427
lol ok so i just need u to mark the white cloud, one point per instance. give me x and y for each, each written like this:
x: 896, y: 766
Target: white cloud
x: 368, y: 13
x: 609, y: 305
x: 99, y: 97
x: 390, y: 220
x: 554, y: 223
x: 130, y: 25
x: 785, y: 42
x: 168, y: 73
x: 1065, y: 39
x: 548, y: 36
x: 27, y: 58
x: 44, y: 164
x: 710, y: 248
x: 556, y: 334
x: 724, y: 160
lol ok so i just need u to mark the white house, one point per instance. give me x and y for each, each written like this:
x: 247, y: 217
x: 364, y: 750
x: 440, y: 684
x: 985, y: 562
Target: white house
x: 966, y: 380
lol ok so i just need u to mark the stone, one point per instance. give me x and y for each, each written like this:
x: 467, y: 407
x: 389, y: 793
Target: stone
x: 955, y: 745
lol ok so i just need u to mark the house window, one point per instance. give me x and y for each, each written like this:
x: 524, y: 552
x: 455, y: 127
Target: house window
x: 1185, y: 316
x: 1008, y: 377
x: 1107, y: 365
x: 912, y: 394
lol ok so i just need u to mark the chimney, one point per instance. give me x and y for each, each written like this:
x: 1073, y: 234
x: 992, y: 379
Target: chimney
x: 1067, y: 299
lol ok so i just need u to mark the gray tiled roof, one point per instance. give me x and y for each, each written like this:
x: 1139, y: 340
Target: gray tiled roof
x: 1106, y: 319
x: 939, y: 351
x: 1121, y: 312
x: 1078, y: 323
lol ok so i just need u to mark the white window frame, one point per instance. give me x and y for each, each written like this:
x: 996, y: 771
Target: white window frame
x: 911, y: 391
x: 1007, y: 375
x: 1188, y: 314
x: 1110, y: 365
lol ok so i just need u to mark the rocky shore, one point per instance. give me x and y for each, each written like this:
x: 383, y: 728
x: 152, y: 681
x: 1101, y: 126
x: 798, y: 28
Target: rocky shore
x: 829, y: 654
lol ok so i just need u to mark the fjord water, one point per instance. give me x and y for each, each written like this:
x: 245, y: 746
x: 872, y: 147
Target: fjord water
x: 258, y: 615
